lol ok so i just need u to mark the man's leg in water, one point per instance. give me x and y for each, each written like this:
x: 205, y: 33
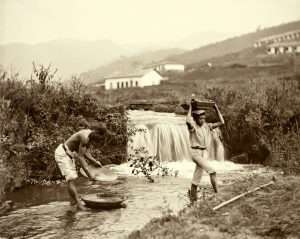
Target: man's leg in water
x: 74, y: 195
x: 213, y: 181
x: 193, y: 193
x: 195, y: 182
x: 200, y: 158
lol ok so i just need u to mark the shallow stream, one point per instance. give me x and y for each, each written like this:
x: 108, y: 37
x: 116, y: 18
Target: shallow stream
x: 44, y: 211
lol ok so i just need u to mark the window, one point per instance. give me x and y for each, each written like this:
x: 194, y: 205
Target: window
x: 136, y: 83
x: 131, y: 83
x: 286, y: 49
x: 111, y: 85
x: 118, y: 85
x: 126, y: 84
x: 122, y: 85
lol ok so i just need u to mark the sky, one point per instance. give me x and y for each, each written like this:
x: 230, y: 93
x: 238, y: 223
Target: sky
x: 137, y: 21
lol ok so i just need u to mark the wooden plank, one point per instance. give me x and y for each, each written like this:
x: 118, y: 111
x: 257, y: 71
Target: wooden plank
x: 223, y: 204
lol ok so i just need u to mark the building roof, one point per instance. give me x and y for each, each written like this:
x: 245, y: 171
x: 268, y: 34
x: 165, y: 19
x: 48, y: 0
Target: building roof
x: 135, y: 74
x: 285, y: 44
x: 278, y: 35
x: 161, y: 63
x: 123, y: 76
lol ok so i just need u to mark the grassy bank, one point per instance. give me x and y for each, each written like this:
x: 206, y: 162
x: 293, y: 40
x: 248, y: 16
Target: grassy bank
x: 273, y: 212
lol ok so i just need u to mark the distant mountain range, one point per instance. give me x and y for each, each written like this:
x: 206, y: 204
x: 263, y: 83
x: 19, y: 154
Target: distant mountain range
x: 68, y: 56
x: 97, y: 59
x: 71, y: 56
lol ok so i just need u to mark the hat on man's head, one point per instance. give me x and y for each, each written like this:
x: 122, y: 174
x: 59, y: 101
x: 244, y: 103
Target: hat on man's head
x: 198, y: 112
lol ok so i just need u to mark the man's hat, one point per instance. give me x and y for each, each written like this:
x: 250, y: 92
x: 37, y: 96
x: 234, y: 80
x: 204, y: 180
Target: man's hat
x: 198, y: 112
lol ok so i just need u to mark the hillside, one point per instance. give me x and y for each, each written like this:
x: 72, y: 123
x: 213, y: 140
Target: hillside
x: 69, y: 56
x: 127, y: 64
x: 231, y: 45
x: 234, y: 50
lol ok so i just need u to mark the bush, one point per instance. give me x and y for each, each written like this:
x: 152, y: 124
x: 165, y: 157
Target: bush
x: 39, y: 114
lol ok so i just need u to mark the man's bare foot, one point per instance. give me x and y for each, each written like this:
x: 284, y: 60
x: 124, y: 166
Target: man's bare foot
x: 81, y: 207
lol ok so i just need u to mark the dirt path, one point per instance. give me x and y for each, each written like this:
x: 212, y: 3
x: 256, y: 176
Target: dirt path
x: 272, y: 212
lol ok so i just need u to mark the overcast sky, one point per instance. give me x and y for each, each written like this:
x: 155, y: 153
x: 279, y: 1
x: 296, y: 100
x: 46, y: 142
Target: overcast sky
x: 137, y: 21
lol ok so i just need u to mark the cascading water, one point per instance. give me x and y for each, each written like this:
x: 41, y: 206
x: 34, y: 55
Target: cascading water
x: 170, y: 142
x: 165, y: 136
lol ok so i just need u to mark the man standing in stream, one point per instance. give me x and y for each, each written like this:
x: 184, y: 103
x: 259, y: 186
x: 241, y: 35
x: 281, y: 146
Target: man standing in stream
x: 200, y: 132
x: 76, y: 148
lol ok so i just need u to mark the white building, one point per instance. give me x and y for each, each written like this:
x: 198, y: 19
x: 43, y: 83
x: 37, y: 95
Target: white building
x: 287, y: 36
x: 284, y: 48
x: 166, y: 66
x: 142, y: 79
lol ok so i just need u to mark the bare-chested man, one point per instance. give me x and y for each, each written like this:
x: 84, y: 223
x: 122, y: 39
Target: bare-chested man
x: 200, y: 132
x: 74, y: 149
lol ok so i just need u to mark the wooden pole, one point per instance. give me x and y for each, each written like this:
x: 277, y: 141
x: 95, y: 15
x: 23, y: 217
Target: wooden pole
x: 242, y: 195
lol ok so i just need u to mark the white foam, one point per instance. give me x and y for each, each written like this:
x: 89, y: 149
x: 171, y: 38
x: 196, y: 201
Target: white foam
x: 184, y: 168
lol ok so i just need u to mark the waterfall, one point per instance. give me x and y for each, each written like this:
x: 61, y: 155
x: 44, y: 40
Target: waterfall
x: 170, y: 142
x: 165, y: 136
x: 216, y: 147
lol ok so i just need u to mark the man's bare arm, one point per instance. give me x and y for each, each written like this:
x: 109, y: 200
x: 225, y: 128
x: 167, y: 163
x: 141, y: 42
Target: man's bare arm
x: 83, y: 163
x: 91, y: 158
x: 189, y: 119
x: 221, y: 119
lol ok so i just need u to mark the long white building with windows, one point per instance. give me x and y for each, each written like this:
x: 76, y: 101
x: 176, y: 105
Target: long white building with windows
x: 292, y: 47
x: 278, y: 38
x: 141, y: 79
x: 166, y: 66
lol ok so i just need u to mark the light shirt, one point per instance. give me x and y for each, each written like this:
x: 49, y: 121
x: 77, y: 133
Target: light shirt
x: 199, y: 135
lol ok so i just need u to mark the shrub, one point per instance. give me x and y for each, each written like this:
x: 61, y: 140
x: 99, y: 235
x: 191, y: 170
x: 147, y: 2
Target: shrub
x: 39, y: 114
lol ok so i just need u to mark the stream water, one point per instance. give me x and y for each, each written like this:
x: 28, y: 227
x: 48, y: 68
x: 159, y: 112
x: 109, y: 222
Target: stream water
x: 44, y: 211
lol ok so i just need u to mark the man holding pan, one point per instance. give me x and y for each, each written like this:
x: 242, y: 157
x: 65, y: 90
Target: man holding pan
x: 76, y: 148
x: 200, y: 132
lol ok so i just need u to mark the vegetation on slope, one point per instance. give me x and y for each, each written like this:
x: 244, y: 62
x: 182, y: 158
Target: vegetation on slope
x: 232, y: 45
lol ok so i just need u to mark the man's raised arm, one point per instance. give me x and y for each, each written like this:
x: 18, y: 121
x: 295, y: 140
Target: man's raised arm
x: 189, y: 119
x: 220, y: 116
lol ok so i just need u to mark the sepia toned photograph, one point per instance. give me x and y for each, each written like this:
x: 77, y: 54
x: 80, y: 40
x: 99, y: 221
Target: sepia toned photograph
x: 149, y: 119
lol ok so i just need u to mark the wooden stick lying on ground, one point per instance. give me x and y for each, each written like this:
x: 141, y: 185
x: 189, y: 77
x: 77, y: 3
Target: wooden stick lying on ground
x: 242, y: 195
